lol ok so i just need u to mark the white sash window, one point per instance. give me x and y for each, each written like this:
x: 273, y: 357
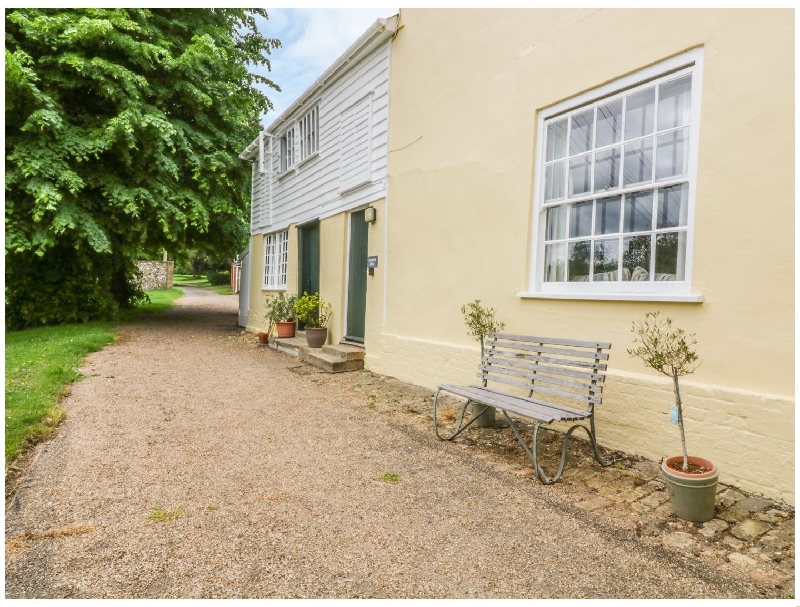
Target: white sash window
x: 276, y: 259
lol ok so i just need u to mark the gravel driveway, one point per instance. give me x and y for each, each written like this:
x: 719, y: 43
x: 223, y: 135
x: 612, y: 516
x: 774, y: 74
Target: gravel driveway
x: 194, y: 463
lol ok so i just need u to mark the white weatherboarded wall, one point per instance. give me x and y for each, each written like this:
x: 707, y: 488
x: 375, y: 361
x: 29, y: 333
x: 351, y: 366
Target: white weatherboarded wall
x: 350, y: 168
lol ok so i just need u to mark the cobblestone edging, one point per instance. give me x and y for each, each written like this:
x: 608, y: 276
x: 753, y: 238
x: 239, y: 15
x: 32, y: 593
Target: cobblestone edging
x: 749, y: 533
x: 155, y: 274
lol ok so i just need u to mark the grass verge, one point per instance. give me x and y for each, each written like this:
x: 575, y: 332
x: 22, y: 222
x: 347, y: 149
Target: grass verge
x: 201, y: 281
x: 42, y: 362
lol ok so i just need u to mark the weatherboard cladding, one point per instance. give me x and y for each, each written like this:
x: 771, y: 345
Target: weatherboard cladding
x: 353, y: 127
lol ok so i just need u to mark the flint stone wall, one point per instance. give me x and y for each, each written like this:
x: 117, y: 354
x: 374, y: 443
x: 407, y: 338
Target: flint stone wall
x: 155, y: 274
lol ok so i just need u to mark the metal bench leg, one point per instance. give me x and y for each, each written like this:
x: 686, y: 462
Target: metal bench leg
x: 533, y: 452
x: 459, y: 429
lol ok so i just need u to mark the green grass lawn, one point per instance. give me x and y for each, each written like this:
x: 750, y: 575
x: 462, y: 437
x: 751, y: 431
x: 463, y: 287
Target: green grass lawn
x: 188, y: 279
x: 42, y: 362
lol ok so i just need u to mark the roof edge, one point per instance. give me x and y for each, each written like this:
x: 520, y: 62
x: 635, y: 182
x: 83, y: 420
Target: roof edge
x: 380, y: 29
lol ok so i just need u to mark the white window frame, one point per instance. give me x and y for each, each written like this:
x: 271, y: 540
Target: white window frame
x: 690, y: 62
x: 308, y: 127
x: 276, y: 260
x: 287, y: 151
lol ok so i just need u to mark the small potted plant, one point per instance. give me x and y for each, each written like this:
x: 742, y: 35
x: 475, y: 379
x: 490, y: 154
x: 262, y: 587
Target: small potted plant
x: 280, y: 313
x: 691, y: 481
x: 480, y: 322
x: 315, y: 313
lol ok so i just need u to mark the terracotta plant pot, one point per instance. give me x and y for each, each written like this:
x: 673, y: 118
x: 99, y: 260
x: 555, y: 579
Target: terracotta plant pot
x: 316, y: 336
x: 692, y: 495
x: 263, y: 338
x: 285, y: 329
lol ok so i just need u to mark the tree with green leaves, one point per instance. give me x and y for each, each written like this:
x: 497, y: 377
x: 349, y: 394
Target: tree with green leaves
x: 123, y: 128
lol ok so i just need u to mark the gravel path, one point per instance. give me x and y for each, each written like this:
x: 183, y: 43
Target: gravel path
x: 195, y: 464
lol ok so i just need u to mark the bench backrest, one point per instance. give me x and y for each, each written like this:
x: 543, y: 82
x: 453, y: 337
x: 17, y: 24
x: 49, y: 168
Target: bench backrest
x: 551, y: 369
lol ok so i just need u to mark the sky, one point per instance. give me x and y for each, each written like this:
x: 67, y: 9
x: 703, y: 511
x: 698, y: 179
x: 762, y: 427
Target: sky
x: 311, y: 40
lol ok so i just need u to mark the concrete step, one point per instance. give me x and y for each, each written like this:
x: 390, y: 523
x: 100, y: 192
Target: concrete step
x: 344, y: 352
x: 330, y: 363
x: 288, y: 345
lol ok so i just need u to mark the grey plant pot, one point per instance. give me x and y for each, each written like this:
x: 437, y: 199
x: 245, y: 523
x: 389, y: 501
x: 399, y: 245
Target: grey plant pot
x: 316, y: 336
x: 692, y: 496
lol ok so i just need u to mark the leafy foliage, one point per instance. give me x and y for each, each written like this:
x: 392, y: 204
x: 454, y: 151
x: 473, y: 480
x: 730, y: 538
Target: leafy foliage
x: 217, y: 278
x: 664, y: 348
x: 123, y: 128
x: 312, y: 310
x: 670, y: 351
x: 280, y: 307
x: 480, y: 321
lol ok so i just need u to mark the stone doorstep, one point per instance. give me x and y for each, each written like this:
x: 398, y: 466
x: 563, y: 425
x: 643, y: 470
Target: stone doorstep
x: 334, y: 358
x: 331, y: 363
x: 344, y: 351
x: 288, y: 345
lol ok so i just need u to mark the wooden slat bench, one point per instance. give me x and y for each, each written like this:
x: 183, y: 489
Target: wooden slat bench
x: 563, y: 378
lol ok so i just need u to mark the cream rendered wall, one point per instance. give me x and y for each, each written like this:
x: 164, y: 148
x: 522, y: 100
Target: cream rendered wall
x: 258, y: 294
x: 466, y: 86
x: 333, y: 270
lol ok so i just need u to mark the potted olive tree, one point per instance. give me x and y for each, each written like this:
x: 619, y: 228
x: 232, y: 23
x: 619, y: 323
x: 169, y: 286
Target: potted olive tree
x: 691, y: 481
x: 315, y: 313
x: 280, y: 313
x: 480, y: 322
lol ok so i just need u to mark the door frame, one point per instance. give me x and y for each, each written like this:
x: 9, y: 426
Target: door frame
x: 347, y: 273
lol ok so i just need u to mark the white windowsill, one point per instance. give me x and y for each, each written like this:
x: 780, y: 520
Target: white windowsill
x: 306, y: 159
x: 671, y: 297
x: 283, y: 288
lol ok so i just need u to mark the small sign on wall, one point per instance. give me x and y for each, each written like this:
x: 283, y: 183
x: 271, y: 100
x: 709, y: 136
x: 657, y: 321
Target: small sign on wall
x: 372, y: 263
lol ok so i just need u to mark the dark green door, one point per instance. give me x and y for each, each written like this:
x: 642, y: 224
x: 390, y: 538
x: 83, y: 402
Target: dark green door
x: 357, y: 278
x: 308, y: 245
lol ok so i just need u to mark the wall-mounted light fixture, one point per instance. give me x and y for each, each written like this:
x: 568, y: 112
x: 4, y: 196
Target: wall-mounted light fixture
x: 369, y: 214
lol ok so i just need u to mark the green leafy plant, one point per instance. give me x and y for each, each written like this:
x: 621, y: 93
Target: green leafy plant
x: 313, y: 310
x: 123, y: 127
x: 480, y: 321
x: 670, y: 351
x: 280, y: 308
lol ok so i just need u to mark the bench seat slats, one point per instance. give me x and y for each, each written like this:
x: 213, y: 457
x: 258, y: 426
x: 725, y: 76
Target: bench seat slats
x: 563, y: 379
x: 556, y: 341
x: 578, y: 364
x: 548, y: 350
x: 542, y: 389
x: 522, y: 406
x: 534, y: 374
x: 526, y: 361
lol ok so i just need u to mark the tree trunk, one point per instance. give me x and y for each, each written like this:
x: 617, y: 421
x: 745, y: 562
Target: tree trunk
x: 680, y: 418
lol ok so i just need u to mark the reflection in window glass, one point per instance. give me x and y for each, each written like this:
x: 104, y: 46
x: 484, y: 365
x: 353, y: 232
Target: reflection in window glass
x: 606, y: 169
x: 673, y: 206
x: 580, y: 137
x: 639, y: 114
x: 555, y: 262
x: 670, y: 256
x: 556, y: 140
x: 580, y: 175
x: 606, y: 260
x: 554, y: 178
x: 672, y: 155
x: 638, y: 212
x: 606, y: 219
x: 609, y: 123
x: 636, y: 258
x: 638, y: 161
x: 579, y: 255
x: 580, y: 219
x: 556, y: 223
x: 674, y: 103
